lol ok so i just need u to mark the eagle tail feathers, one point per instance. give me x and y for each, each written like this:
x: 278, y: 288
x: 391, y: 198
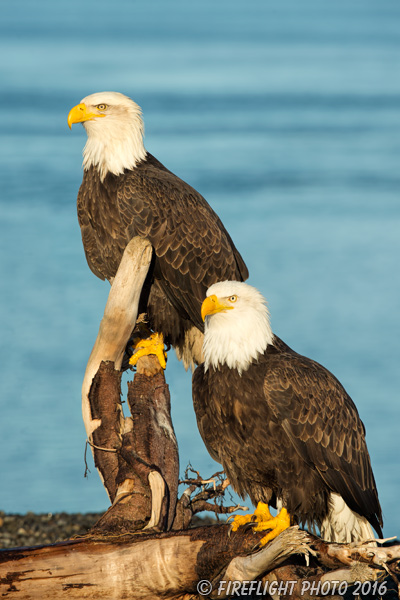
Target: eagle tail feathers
x: 343, y: 525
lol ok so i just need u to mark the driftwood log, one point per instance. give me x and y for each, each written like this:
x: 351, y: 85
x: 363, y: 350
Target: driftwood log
x: 142, y: 546
x: 193, y: 563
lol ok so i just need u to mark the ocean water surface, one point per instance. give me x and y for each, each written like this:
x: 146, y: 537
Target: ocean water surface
x: 287, y: 119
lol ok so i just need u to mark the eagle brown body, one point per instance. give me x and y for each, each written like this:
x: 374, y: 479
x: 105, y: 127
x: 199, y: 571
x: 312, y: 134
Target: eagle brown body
x: 284, y: 429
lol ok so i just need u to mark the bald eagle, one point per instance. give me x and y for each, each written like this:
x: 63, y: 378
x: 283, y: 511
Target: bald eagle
x: 126, y: 192
x: 282, y: 426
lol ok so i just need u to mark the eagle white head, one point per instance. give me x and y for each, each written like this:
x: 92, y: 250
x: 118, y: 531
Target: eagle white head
x: 115, y: 131
x: 237, y: 328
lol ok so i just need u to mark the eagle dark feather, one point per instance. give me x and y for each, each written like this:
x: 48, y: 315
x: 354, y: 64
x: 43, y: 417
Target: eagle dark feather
x: 287, y: 429
x: 192, y: 247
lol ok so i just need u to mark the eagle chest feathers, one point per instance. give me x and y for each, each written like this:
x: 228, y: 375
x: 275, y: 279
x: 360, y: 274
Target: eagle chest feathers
x: 239, y: 429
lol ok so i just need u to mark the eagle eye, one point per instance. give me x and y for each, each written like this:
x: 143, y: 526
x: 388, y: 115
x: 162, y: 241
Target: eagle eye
x: 101, y: 106
x: 232, y: 298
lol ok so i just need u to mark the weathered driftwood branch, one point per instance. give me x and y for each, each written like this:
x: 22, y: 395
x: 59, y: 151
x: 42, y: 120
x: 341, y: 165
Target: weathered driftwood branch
x: 136, y: 456
x: 119, y: 318
x: 191, y: 503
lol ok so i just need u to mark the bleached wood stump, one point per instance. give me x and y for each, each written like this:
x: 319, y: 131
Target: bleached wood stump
x: 119, y: 319
x: 136, y: 456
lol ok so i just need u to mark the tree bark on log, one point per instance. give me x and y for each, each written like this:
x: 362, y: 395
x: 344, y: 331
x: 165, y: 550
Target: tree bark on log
x: 142, y: 547
x: 141, y: 473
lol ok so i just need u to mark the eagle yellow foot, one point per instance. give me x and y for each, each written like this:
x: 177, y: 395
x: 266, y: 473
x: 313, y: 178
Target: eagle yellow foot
x: 275, y: 524
x: 260, y: 515
x: 152, y: 345
x: 264, y: 521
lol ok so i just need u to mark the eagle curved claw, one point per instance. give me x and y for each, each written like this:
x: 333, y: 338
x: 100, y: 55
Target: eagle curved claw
x: 152, y: 345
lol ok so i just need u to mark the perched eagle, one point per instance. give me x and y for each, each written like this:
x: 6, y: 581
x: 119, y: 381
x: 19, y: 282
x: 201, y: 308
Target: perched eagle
x: 282, y: 426
x: 126, y: 192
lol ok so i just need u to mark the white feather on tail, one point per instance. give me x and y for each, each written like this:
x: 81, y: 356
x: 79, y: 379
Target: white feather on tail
x: 342, y: 525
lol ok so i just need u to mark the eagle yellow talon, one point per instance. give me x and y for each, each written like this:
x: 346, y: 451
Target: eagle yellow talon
x: 264, y: 521
x: 152, y: 345
x: 260, y: 515
x: 240, y: 520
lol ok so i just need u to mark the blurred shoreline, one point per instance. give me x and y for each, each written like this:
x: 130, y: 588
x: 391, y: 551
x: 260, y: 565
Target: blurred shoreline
x: 36, y: 529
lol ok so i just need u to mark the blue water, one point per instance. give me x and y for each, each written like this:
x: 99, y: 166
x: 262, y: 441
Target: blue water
x: 286, y: 116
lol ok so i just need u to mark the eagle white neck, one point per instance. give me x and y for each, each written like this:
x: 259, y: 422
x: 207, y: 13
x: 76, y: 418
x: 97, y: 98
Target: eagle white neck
x: 236, y: 338
x: 112, y: 148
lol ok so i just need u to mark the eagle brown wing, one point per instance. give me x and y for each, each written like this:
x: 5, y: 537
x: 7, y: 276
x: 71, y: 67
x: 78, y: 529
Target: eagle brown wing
x: 192, y: 246
x: 323, y: 425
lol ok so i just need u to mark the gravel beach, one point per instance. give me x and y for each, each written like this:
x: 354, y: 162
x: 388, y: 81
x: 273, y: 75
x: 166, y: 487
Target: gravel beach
x: 36, y: 529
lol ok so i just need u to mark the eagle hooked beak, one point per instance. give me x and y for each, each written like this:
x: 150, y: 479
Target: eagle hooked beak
x: 81, y: 113
x: 212, y: 305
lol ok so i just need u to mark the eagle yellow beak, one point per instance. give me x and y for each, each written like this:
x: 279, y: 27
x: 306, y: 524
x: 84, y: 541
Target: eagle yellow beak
x: 212, y: 305
x: 81, y: 113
